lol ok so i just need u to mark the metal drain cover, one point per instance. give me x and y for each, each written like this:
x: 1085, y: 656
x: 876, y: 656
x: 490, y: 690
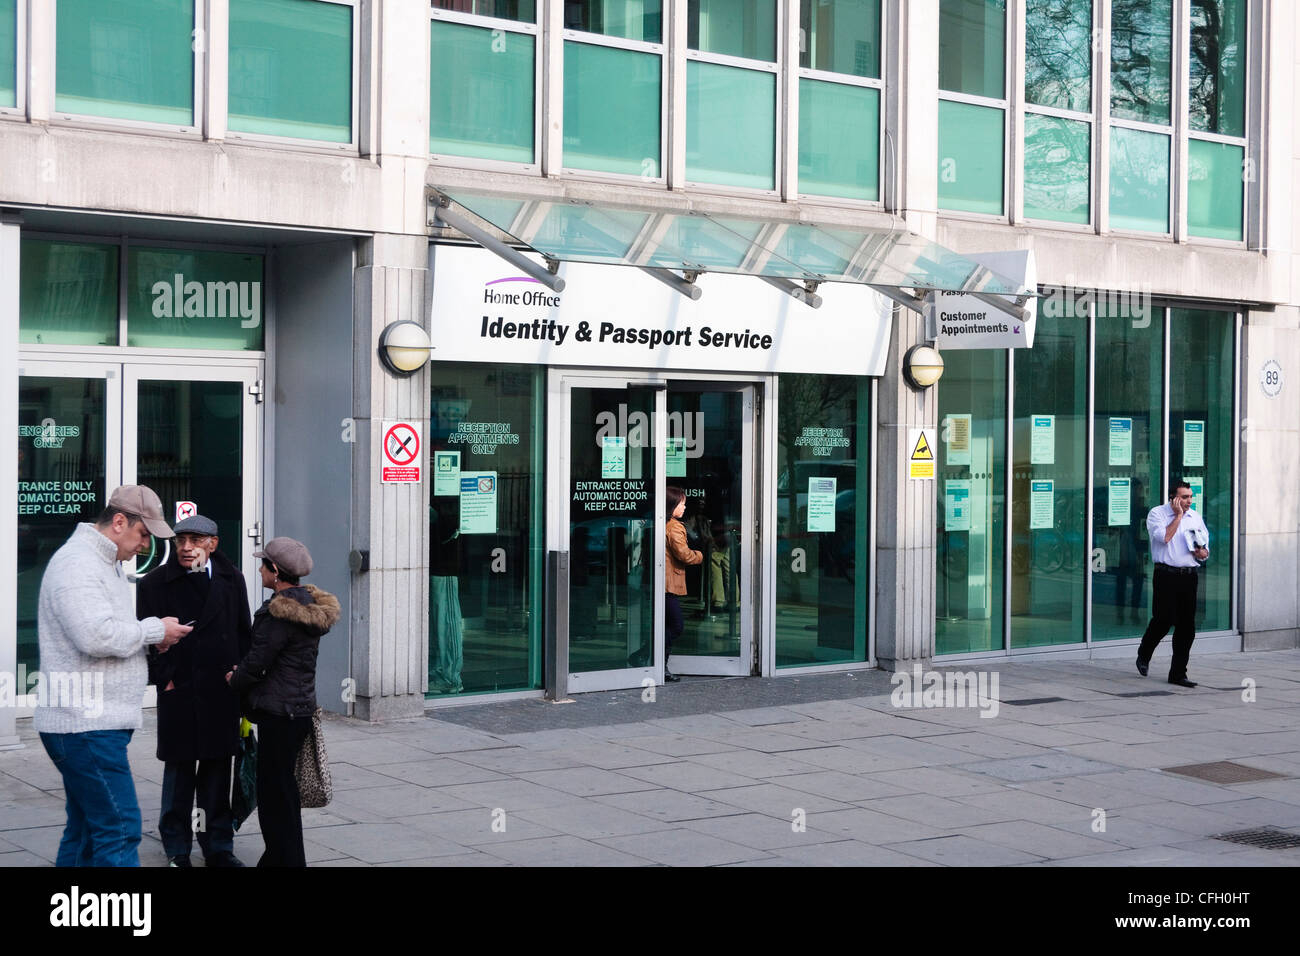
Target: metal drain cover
x: 1266, y: 838
x: 1224, y: 771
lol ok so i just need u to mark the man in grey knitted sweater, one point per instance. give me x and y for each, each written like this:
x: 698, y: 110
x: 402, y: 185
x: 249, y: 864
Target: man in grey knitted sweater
x: 89, y: 638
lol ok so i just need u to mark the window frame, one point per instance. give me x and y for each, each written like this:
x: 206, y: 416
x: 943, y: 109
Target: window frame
x: 295, y: 142
x: 791, y: 115
x: 199, y: 36
x: 19, y: 109
x: 542, y: 57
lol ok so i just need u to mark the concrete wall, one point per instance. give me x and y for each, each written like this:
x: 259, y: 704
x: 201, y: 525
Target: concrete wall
x: 308, y: 453
x: 9, y: 233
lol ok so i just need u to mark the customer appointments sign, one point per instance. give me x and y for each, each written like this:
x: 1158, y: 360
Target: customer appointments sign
x: 617, y: 316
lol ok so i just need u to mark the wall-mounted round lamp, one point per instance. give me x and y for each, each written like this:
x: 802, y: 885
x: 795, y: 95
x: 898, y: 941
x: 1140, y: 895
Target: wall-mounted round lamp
x: 922, y: 366
x: 404, y: 347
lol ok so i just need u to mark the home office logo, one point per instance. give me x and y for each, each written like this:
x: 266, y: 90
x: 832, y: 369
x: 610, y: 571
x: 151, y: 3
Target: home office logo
x: 1071, y: 302
x: 181, y: 299
x: 510, y: 293
x: 932, y: 689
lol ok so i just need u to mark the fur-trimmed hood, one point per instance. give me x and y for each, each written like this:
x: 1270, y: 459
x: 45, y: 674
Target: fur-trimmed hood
x: 307, y: 606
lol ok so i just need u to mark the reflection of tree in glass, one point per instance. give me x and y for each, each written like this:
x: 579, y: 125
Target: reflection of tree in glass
x: 1216, y: 66
x: 1140, y: 49
x: 1058, y: 54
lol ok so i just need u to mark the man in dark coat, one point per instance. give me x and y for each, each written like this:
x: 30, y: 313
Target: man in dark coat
x: 198, y: 713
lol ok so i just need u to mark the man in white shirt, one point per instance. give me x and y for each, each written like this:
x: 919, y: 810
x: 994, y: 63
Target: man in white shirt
x: 1179, y: 543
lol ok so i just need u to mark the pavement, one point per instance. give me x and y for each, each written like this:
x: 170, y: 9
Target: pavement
x: 1071, y: 767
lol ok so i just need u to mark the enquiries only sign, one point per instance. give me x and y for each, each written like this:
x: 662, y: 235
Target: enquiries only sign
x: 617, y: 316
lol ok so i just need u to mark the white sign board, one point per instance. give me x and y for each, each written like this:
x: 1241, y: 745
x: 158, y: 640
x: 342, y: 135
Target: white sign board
x: 958, y: 320
x: 821, y: 504
x: 618, y: 316
x: 446, y: 472
x: 1119, y: 510
x: 399, y: 453
x: 478, y: 502
x: 1041, y: 501
x: 1042, y: 439
x: 956, y: 504
x: 1121, y: 442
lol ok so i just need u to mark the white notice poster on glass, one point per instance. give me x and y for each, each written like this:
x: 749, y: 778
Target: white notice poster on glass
x: 1193, y: 444
x: 446, y: 472
x: 478, y: 502
x: 1120, y: 510
x: 1042, y: 440
x: 1040, y: 504
x: 956, y: 504
x: 613, y: 456
x: 675, y: 458
x: 956, y: 437
x: 1198, y: 492
x: 821, y: 504
x: 1121, y: 442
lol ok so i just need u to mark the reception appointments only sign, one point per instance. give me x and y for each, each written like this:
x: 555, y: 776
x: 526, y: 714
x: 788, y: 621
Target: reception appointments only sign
x: 618, y: 316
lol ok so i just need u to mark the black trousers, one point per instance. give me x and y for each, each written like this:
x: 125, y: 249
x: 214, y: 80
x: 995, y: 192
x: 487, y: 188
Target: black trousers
x: 211, y: 784
x: 673, y: 622
x: 278, y: 811
x: 1173, y: 604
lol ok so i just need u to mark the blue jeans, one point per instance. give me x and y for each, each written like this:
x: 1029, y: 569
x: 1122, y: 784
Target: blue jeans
x: 103, y: 814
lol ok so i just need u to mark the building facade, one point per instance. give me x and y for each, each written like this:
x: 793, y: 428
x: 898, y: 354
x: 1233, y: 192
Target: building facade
x: 211, y: 211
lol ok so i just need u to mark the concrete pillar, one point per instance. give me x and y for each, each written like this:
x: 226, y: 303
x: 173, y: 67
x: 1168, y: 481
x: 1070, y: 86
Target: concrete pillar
x: 390, y: 602
x: 9, y: 234
x: 905, y: 516
x: 1268, y: 508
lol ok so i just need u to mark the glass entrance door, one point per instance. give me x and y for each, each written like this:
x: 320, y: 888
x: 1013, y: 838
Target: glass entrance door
x: 619, y: 440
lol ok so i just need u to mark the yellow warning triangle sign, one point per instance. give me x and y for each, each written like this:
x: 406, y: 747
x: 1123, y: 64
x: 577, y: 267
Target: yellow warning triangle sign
x: 922, y: 450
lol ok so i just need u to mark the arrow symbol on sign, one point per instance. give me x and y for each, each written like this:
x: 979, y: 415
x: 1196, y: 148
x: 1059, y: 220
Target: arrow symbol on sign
x: 1016, y: 330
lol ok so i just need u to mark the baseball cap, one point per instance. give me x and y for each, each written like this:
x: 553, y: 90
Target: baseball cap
x: 140, y: 501
x: 289, y: 556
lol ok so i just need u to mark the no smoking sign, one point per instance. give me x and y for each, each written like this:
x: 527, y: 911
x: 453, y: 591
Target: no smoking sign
x: 399, y: 448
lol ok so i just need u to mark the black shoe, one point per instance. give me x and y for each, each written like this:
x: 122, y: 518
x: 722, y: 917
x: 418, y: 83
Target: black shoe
x: 224, y: 858
x: 180, y: 861
x: 670, y: 677
x: 1142, y: 667
x: 1182, y: 682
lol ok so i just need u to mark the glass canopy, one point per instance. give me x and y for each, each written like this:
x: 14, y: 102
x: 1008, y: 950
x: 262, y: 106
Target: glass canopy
x: 581, y: 231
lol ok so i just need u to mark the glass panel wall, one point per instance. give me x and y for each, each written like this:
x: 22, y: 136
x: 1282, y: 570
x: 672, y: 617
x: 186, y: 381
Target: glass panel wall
x: 291, y: 69
x: 131, y: 59
x: 823, y: 488
x: 481, y: 92
x: 1201, y: 442
x: 1216, y: 189
x: 485, y: 528
x: 1058, y: 164
x: 1127, y: 435
x: 1141, y: 81
x: 67, y: 293
x: 727, y: 103
x: 189, y: 298
x: 972, y: 62
x: 839, y: 117
x: 1139, y: 180
x: 971, y: 513
x: 8, y: 53
x: 1049, y: 485
x: 1058, y: 76
x: 61, y: 481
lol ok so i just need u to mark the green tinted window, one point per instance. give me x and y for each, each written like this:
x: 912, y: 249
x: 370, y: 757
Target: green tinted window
x: 1215, y: 187
x: 1127, y: 430
x: 840, y: 36
x: 822, y: 561
x: 1058, y: 54
x: 839, y: 140
x: 524, y: 10
x: 1057, y: 162
x: 1139, y: 180
x: 972, y: 47
x: 733, y: 27
x: 1140, y: 43
x: 970, y: 157
x: 8, y: 52
x: 481, y: 93
x: 130, y: 59
x: 1201, y: 439
x: 194, y: 299
x: 629, y: 19
x: 1217, y: 97
x: 1049, y: 485
x: 971, y: 486
x: 485, y: 572
x: 612, y: 107
x: 67, y: 293
x: 291, y: 69
x: 726, y: 106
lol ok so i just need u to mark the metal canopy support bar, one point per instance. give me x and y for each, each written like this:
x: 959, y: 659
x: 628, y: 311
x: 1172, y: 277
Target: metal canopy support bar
x: 686, y: 287
x: 492, y: 244
x: 895, y: 294
x: 1002, y: 305
x: 795, y: 291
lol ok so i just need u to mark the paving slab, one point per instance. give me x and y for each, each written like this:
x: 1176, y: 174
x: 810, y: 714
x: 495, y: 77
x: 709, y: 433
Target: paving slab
x: 683, y: 848
x: 962, y: 850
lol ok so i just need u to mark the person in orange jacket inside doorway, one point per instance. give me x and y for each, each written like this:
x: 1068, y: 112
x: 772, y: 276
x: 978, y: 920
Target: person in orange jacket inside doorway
x: 679, y: 556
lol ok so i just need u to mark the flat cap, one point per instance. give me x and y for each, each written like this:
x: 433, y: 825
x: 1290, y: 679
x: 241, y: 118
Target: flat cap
x: 288, y: 555
x: 196, y: 524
